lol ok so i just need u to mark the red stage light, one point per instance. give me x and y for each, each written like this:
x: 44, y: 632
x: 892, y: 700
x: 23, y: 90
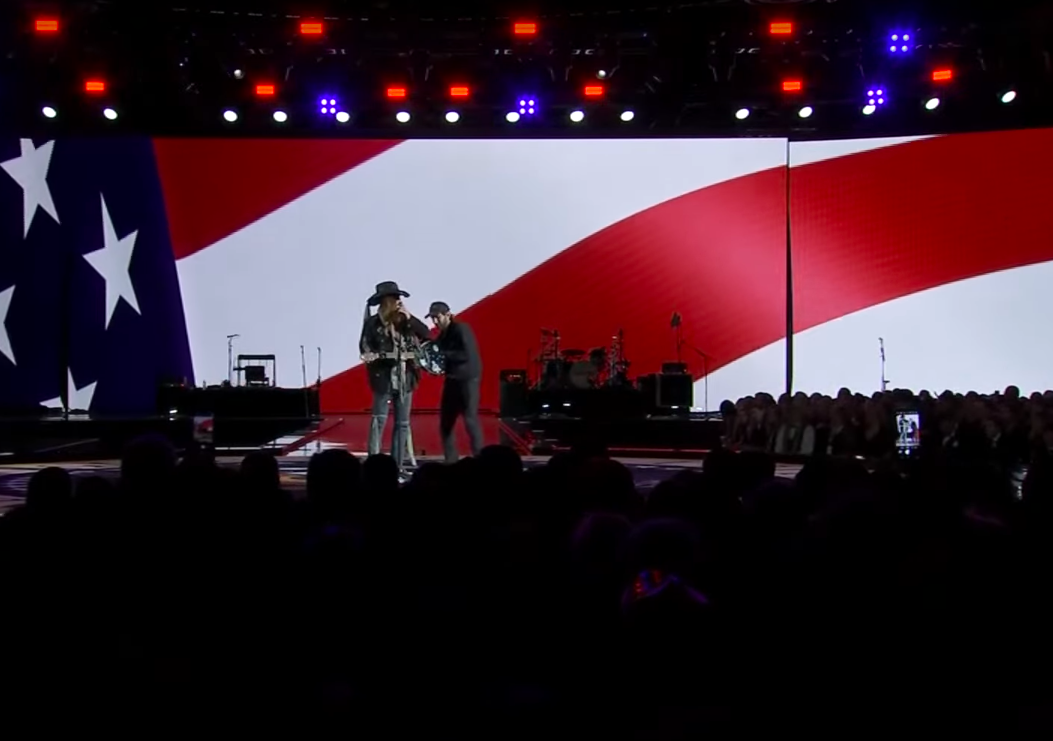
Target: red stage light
x: 524, y: 29
x: 459, y: 91
x: 396, y: 92
x: 781, y: 29
x: 46, y: 25
x: 311, y: 28
x: 95, y: 86
x: 942, y: 75
x: 593, y: 91
x: 265, y: 90
x: 792, y: 86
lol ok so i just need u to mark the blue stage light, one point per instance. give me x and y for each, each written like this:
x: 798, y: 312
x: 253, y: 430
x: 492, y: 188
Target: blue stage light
x: 898, y: 43
x: 527, y: 105
x: 327, y: 105
x: 876, y: 96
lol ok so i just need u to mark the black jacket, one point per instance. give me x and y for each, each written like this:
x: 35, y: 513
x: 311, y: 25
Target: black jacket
x: 375, y: 339
x: 462, y: 353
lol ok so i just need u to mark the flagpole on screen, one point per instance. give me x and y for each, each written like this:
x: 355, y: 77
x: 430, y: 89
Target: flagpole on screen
x: 789, y: 281
x: 306, y: 393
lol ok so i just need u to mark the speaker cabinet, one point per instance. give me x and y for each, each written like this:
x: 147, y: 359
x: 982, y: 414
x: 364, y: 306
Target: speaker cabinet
x: 675, y: 390
x: 514, y: 393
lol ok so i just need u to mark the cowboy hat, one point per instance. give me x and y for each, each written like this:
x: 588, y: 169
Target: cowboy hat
x: 387, y: 288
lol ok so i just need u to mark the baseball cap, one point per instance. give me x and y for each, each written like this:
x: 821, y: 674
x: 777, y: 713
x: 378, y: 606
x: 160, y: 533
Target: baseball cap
x: 437, y: 308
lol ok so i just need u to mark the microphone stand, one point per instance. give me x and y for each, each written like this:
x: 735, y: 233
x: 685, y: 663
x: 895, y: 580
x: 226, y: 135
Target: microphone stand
x: 705, y: 378
x: 230, y: 358
x: 884, y: 381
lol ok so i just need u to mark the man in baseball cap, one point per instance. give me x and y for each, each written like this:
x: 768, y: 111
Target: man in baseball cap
x: 460, y: 391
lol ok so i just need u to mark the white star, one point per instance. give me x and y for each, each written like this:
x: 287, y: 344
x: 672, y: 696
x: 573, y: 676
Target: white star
x: 79, y: 398
x: 5, y: 341
x: 30, y: 171
x: 112, y: 263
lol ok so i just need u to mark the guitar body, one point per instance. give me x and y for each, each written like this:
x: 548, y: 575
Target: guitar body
x: 431, y: 359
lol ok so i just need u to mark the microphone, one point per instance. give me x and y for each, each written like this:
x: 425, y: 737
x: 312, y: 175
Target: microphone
x: 232, y: 336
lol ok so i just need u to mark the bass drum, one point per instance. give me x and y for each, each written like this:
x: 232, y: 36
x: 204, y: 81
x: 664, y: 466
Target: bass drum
x: 431, y: 359
x: 583, y: 375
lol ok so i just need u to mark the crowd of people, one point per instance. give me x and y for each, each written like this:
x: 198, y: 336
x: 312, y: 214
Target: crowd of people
x: 490, y: 597
x: 1003, y: 425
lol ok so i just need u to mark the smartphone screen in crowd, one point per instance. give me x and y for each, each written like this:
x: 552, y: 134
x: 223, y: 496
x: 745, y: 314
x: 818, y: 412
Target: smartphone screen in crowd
x: 908, y: 433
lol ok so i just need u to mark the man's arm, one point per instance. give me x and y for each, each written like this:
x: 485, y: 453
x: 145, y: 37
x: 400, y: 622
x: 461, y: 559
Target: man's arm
x: 363, y: 340
x: 420, y: 329
x: 367, y: 343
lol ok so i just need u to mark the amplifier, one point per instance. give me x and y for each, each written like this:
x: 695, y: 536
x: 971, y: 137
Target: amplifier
x: 514, y: 393
x: 667, y: 390
x: 674, y: 367
x: 675, y: 390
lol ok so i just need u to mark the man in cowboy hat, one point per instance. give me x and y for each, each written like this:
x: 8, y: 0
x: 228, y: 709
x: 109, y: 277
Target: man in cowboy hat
x: 389, y: 343
x: 460, y: 391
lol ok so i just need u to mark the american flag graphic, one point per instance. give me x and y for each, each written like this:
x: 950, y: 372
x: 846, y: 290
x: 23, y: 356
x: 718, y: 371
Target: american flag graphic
x: 89, y: 296
x: 126, y: 262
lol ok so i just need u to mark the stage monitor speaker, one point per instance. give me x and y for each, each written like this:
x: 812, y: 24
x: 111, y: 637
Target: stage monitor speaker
x: 675, y: 390
x: 514, y: 393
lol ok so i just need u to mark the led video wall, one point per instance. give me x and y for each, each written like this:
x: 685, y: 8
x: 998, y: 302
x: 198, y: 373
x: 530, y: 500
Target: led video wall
x: 127, y: 262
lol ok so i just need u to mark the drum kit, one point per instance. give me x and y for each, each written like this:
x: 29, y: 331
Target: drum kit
x: 559, y: 368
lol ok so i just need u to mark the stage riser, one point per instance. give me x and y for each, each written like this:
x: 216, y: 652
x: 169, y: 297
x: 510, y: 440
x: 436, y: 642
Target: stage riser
x: 643, y: 435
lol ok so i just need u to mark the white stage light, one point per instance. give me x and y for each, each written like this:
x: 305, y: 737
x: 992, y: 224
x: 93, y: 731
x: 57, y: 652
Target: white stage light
x: 343, y: 117
x: 48, y: 112
x: 932, y: 104
x: 742, y: 114
x: 627, y: 116
x: 806, y: 112
x: 230, y: 116
x: 577, y: 116
x: 452, y: 117
x: 869, y: 109
x: 512, y: 116
x: 1009, y: 96
x: 281, y: 116
x: 110, y: 114
x: 402, y: 117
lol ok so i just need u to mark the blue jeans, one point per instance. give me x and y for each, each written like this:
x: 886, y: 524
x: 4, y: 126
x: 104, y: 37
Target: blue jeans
x: 402, y: 404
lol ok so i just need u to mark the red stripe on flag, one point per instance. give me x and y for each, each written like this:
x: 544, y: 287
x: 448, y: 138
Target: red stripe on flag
x: 717, y: 256
x: 258, y: 176
x: 887, y: 223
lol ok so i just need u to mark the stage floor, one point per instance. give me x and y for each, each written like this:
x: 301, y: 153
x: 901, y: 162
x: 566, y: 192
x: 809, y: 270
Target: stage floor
x: 646, y: 472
